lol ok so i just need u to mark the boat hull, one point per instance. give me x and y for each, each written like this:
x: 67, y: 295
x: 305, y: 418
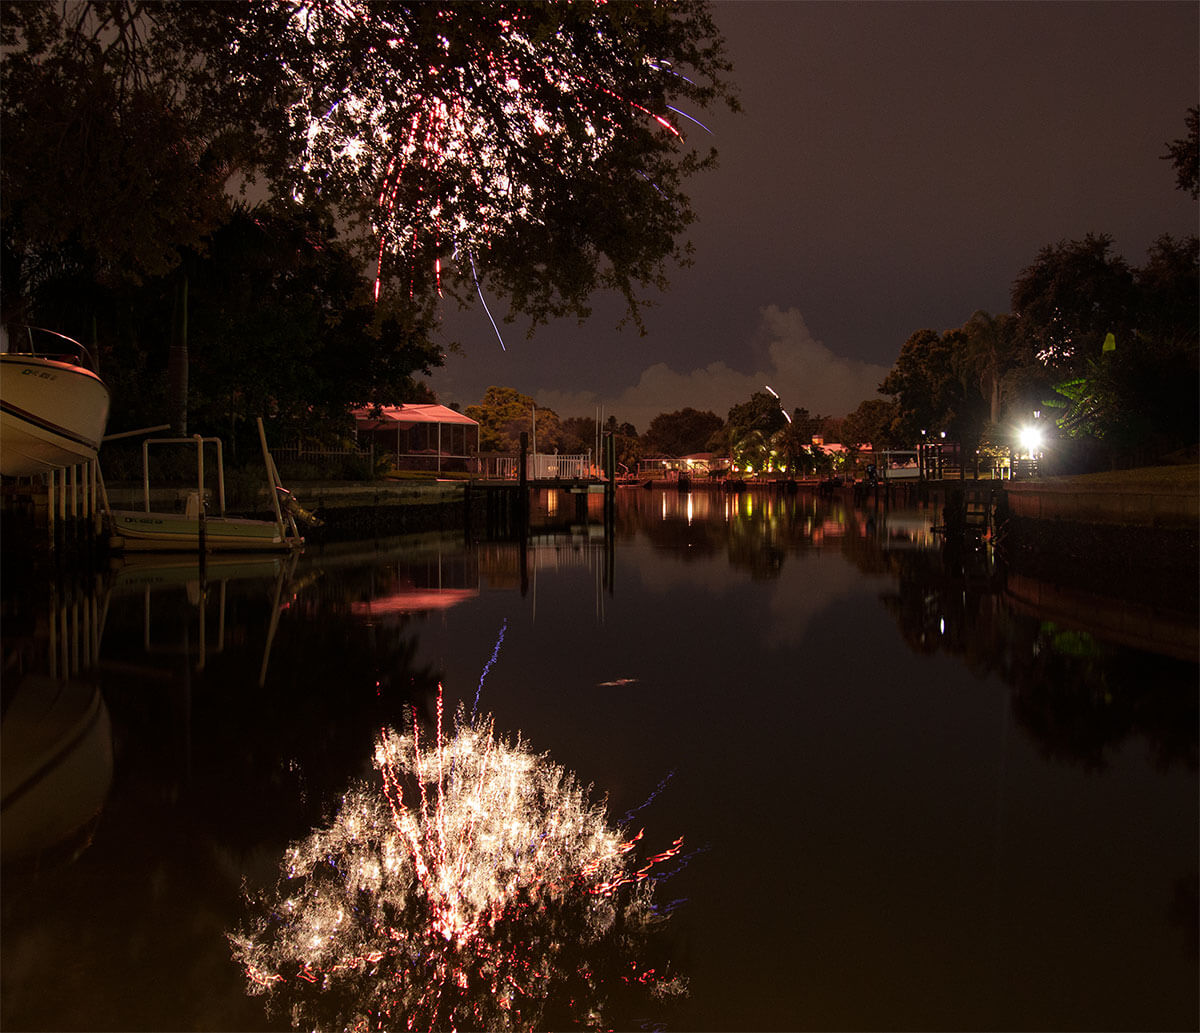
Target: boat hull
x: 134, y: 531
x: 56, y: 767
x: 52, y: 414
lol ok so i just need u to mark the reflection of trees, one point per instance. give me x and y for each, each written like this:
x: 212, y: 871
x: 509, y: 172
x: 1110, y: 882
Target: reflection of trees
x: 757, y: 530
x: 1079, y: 698
x: 470, y: 884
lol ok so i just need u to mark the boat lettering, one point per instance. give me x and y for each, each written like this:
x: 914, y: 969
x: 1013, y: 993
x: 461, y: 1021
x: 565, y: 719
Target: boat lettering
x: 40, y: 373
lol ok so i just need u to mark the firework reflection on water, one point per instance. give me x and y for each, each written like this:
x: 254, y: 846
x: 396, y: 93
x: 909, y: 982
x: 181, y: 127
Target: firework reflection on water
x: 469, y: 883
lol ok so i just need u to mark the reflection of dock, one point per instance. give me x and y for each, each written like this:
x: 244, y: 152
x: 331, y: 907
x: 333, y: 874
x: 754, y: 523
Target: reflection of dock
x: 509, y: 509
x: 202, y: 580
x: 56, y: 747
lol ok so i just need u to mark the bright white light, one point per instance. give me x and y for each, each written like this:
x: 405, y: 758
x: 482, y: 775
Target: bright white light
x: 1031, y: 439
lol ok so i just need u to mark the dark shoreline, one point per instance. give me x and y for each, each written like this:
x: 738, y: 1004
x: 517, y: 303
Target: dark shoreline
x: 1153, y: 566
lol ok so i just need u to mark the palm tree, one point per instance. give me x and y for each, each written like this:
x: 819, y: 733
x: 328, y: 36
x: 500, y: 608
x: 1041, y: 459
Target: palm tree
x: 990, y: 343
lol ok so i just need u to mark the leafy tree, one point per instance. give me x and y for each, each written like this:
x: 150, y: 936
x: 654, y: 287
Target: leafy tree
x: 682, y: 432
x: 805, y: 426
x: 533, y: 148
x: 992, y: 349
x: 1073, y: 294
x: 752, y: 430
x: 1167, y: 291
x: 1184, y: 155
x: 928, y: 392
x: 761, y: 412
x: 872, y: 423
x: 530, y: 146
x: 280, y: 309
x: 629, y: 447
x: 282, y: 324
x: 504, y: 414
x: 101, y: 105
x: 578, y: 434
x: 1135, y: 399
x: 530, y: 149
x: 627, y: 430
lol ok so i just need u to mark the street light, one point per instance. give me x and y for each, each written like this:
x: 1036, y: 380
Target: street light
x: 1031, y: 438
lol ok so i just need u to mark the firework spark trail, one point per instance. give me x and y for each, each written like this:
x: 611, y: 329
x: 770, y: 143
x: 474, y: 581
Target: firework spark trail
x: 684, y: 114
x: 628, y: 816
x: 483, y: 302
x: 488, y: 666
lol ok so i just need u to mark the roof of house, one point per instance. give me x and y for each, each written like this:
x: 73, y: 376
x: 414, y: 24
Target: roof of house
x: 389, y: 416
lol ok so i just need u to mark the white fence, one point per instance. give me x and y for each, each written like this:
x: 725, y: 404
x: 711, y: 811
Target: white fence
x: 538, y: 467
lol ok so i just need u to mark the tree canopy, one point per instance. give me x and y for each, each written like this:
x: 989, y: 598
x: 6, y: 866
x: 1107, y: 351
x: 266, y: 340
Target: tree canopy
x: 872, y: 423
x: 539, y: 150
x: 1184, y: 154
x: 1135, y: 392
x: 1073, y: 294
x: 505, y: 413
x: 683, y: 432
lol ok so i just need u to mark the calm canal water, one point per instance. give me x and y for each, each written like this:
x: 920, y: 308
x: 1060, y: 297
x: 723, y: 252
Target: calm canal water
x: 910, y: 795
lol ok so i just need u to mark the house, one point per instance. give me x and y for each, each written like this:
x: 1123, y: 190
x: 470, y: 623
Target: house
x: 419, y: 436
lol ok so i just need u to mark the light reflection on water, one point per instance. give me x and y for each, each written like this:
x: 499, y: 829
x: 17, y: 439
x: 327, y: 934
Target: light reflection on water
x: 471, y: 883
x: 924, y: 801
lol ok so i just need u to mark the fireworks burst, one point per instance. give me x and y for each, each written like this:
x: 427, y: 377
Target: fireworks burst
x: 462, y: 121
x: 470, y: 883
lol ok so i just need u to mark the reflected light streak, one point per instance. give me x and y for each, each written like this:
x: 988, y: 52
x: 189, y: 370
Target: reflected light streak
x: 469, y: 883
x: 415, y: 601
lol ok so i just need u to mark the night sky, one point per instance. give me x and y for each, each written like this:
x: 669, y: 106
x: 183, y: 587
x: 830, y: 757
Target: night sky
x: 895, y: 167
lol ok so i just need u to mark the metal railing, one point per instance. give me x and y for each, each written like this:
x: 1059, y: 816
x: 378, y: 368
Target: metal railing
x: 538, y: 467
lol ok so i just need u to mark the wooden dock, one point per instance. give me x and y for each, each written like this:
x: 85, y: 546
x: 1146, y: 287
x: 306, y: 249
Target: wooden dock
x: 504, y: 508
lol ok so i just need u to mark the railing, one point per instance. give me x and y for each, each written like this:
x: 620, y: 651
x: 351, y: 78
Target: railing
x: 335, y: 464
x: 539, y: 467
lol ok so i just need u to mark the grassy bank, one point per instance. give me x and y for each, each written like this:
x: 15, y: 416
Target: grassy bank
x: 1149, y: 478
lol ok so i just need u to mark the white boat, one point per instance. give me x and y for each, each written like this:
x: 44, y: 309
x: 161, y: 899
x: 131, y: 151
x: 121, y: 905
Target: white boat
x: 135, y: 531
x: 196, y: 529
x: 53, y: 406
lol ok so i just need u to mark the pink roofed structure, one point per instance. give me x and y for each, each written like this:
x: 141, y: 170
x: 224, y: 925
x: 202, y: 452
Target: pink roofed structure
x: 419, y: 436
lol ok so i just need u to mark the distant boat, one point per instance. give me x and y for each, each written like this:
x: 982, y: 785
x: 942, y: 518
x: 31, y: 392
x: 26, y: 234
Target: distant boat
x: 53, y: 406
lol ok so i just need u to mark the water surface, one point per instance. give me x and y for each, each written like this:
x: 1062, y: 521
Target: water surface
x: 908, y: 797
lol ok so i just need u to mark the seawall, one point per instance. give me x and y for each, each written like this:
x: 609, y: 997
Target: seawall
x: 1135, y: 535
